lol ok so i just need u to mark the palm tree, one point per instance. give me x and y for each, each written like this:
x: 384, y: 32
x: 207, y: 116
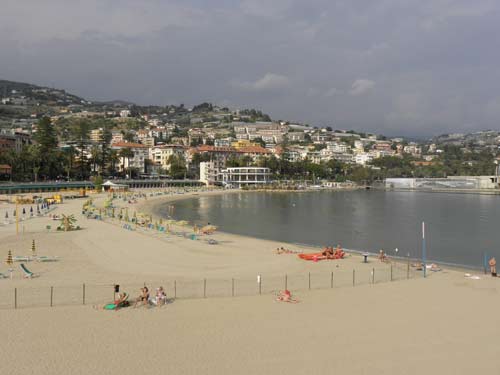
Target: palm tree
x: 126, y: 153
x: 113, y: 160
x: 95, y: 152
x: 68, y: 222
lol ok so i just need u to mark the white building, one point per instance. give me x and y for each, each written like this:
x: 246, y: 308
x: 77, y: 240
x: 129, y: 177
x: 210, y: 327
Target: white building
x: 137, y: 161
x: 96, y: 135
x: 125, y: 113
x: 337, y: 147
x: 363, y: 158
x: 211, y: 172
x: 246, y: 176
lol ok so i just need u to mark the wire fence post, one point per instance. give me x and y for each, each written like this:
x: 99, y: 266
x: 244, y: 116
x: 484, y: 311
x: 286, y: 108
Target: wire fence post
x: 83, y: 293
x: 15, y: 298
x: 391, y: 271
x: 353, y: 277
x: 408, y: 268
x: 331, y: 280
x: 373, y: 276
x: 309, y: 280
x: 260, y: 284
x: 51, y: 295
x: 204, y: 288
x: 175, y: 289
x: 286, y: 281
x: 232, y: 287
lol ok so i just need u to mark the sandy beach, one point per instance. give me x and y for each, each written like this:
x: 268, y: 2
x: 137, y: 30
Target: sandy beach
x: 377, y: 326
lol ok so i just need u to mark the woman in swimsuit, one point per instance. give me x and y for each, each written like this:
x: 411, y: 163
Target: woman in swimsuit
x: 143, y: 298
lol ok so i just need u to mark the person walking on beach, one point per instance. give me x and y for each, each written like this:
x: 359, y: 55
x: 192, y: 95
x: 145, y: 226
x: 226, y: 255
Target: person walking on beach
x: 493, y: 266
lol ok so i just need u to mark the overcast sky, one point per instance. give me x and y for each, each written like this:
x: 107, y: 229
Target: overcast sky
x: 397, y: 67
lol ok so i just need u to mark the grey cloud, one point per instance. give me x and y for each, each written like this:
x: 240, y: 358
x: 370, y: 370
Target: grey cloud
x: 404, y: 67
x: 361, y: 86
x: 269, y: 81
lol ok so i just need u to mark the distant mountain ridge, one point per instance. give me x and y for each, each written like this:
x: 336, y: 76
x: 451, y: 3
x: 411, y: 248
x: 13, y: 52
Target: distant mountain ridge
x: 41, y: 94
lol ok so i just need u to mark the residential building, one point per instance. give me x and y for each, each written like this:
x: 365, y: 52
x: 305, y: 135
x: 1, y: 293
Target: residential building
x: 296, y: 136
x: 116, y: 136
x: 363, y: 158
x: 16, y: 141
x: 211, y: 172
x: 137, y: 161
x: 96, y: 135
x: 160, y: 155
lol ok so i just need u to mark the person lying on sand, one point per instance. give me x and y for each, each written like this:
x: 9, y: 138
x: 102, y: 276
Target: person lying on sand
x: 286, y: 296
x: 434, y: 267
x: 143, y: 297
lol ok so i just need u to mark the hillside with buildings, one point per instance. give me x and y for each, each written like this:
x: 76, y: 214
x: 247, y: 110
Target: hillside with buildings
x: 50, y: 134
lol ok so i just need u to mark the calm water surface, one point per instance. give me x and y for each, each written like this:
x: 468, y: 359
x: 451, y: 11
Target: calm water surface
x: 460, y: 228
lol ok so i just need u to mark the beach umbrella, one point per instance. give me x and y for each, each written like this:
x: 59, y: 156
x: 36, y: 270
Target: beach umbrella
x: 37, y: 208
x: 6, y: 215
x: 31, y: 211
x: 126, y: 216
x: 14, y: 213
x: 24, y: 211
x: 33, y: 248
x: 9, y: 259
x: 113, y: 212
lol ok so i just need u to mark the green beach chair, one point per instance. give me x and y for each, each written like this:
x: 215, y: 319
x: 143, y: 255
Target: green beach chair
x: 112, y: 306
x: 27, y: 273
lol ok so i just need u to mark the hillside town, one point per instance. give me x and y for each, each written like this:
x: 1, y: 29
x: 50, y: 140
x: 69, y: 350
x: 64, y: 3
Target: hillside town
x: 48, y: 134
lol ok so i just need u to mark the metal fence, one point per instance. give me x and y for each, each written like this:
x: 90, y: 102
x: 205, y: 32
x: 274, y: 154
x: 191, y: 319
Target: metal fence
x: 96, y: 294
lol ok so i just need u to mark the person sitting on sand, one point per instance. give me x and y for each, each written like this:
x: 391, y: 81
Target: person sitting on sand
x: 286, y: 296
x: 160, y: 298
x: 120, y: 301
x: 493, y: 266
x: 143, y: 297
x: 339, y: 253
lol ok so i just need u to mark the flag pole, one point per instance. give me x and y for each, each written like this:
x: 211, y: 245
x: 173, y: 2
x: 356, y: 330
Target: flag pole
x: 17, y: 217
x: 424, y: 250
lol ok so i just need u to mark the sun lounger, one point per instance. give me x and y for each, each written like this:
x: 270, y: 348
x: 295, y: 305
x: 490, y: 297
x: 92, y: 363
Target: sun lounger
x: 43, y: 258
x: 21, y: 258
x: 27, y: 272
